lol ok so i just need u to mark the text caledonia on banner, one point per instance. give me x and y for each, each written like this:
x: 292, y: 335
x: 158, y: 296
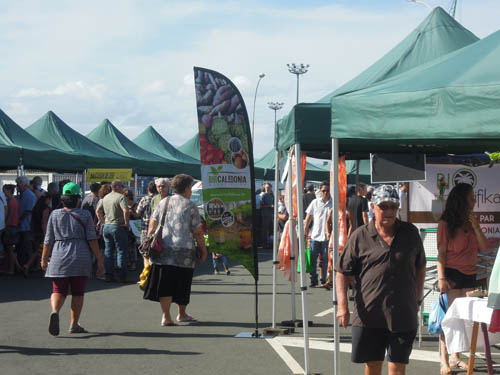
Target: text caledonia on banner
x: 226, y: 157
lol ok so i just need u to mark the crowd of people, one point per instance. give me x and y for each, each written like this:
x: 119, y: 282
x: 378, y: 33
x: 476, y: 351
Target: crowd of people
x: 383, y: 261
x: 70, y: 239
x: 384, y: 265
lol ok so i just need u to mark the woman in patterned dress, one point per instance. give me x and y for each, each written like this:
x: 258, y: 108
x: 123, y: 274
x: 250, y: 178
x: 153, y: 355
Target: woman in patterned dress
x: 172, y: 273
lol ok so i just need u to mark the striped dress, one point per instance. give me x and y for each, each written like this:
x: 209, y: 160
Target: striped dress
x: 71, y: 254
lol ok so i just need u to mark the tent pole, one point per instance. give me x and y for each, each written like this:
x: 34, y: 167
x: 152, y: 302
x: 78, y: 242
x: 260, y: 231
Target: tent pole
x: 300, y: 226
x: 135, y: 187
x: 275, y: 233
x: 357, y: 176
x: 335, y: 226
x: 84, y: 182
x: 292, y: 238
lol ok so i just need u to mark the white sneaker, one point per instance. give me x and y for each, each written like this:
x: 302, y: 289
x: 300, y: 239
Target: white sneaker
x: 216, y: 272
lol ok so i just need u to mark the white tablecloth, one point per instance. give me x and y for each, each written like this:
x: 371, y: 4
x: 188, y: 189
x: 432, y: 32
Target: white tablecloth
x: 458, y: 321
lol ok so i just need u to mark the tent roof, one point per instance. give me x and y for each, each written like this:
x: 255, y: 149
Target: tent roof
x: 264, y: 169
x: 151, y: 140
x: 191, y: 147
x: 55, y: 132
x: 438, y: 35
x: 447, y: 105
x: 109, y: 137
x: 15, y: 142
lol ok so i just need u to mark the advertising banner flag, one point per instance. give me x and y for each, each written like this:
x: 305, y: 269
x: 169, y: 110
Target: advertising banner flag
x: 227, y: 168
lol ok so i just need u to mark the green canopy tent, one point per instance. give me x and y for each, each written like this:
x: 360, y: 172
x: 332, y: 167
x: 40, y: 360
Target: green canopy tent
x: 152, y: 141
x: 266, y: 165
x: 449, y: 105
x: 109, y: 137
x: 18, y: 147
x: 307, y: 127
x: 308, y: 124
x: 363, y: 171
x: 55, y: 132
x: 191, y: 147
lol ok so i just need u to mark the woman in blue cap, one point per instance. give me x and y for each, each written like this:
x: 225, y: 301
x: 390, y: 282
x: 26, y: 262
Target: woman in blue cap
x: 69, y: 240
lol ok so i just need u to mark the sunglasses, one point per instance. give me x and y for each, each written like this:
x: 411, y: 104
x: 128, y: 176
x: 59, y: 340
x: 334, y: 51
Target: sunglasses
x: 386, y: 207
x: 325, y: 191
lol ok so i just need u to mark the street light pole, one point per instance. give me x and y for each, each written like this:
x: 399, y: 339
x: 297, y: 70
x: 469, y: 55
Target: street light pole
x: 297, y: 69
x: 261, y: 75
x: 275, y: 106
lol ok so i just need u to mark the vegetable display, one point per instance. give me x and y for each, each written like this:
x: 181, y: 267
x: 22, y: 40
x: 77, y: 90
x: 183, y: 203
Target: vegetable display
x: 221, y: 119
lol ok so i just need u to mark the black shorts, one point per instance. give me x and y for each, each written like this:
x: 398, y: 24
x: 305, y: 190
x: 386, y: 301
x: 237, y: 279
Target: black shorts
x: 459, y: 280
x: 10, y: 236
x: 370, y: 345
x: 169, y: 281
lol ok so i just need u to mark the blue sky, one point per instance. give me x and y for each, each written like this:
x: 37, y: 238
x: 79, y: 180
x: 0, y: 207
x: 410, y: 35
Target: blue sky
x: 131, y: 61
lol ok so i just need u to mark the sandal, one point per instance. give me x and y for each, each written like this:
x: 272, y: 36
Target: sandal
x: 168, y: 324
x: 54, y: 324
x: 188, y: 319
x: 77, y: 329
x: 459, y: 365
x: 445, y: 369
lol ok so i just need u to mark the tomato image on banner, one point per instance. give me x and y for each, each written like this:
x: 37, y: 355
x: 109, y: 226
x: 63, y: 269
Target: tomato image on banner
x: 226, y: 157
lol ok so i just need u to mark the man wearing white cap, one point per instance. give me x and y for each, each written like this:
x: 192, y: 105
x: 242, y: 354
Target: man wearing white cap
x: 386, y: 261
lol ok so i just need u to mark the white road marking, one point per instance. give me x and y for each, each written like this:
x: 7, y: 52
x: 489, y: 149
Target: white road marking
x: 292, y: 364
x: 328, y: 345
x: 324, y: 313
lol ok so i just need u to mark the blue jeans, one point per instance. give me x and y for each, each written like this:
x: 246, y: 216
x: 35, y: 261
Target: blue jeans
x: 217, y: 262
x: 115, y: 238
x: 319, y: 247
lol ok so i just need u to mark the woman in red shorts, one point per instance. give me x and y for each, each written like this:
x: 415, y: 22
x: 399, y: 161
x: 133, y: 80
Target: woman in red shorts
x: 69, y: 240
x: 459, y: 240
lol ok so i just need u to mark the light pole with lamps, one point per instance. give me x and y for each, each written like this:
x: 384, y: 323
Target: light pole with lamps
x: 275, y: 106
x: 297, y: 69
x: 261, y: 75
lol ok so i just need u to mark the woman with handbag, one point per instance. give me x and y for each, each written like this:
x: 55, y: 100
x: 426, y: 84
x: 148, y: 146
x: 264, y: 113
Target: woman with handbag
x: 177, y: 222
x: 69, y: 240
x: 459, y: 240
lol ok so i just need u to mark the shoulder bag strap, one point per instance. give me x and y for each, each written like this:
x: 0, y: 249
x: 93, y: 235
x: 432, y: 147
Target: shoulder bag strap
x: 164, y: 213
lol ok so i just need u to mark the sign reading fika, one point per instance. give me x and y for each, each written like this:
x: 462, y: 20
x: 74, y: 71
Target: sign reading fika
x: 425, y: 196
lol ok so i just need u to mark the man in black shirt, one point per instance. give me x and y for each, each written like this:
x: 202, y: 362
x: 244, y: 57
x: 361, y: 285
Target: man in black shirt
x: 357, y: 210
x: 308, y: 197
x: 267, y: 215
x: 386, y: 261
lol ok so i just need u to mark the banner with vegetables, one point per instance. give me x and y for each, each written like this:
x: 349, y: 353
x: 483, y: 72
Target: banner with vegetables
x: 226, y: 157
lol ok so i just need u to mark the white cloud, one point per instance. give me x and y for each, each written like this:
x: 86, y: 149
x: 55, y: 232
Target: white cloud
x: 242, y: 82
x: 78, y: 89
x: 132, y: 61
x: 156, y: 87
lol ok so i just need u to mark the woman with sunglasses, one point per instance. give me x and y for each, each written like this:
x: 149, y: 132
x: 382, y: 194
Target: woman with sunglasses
x: 459, y: 240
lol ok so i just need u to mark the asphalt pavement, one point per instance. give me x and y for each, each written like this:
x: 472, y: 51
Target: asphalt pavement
x: 125, y: 336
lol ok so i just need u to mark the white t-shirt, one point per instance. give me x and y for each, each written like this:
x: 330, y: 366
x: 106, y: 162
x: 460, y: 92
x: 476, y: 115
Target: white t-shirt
x: 3, y: 204
x: 319, y: 210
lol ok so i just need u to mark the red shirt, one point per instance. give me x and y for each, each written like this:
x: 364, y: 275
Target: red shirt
x: 13, y: 218
x: 461, y: 250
